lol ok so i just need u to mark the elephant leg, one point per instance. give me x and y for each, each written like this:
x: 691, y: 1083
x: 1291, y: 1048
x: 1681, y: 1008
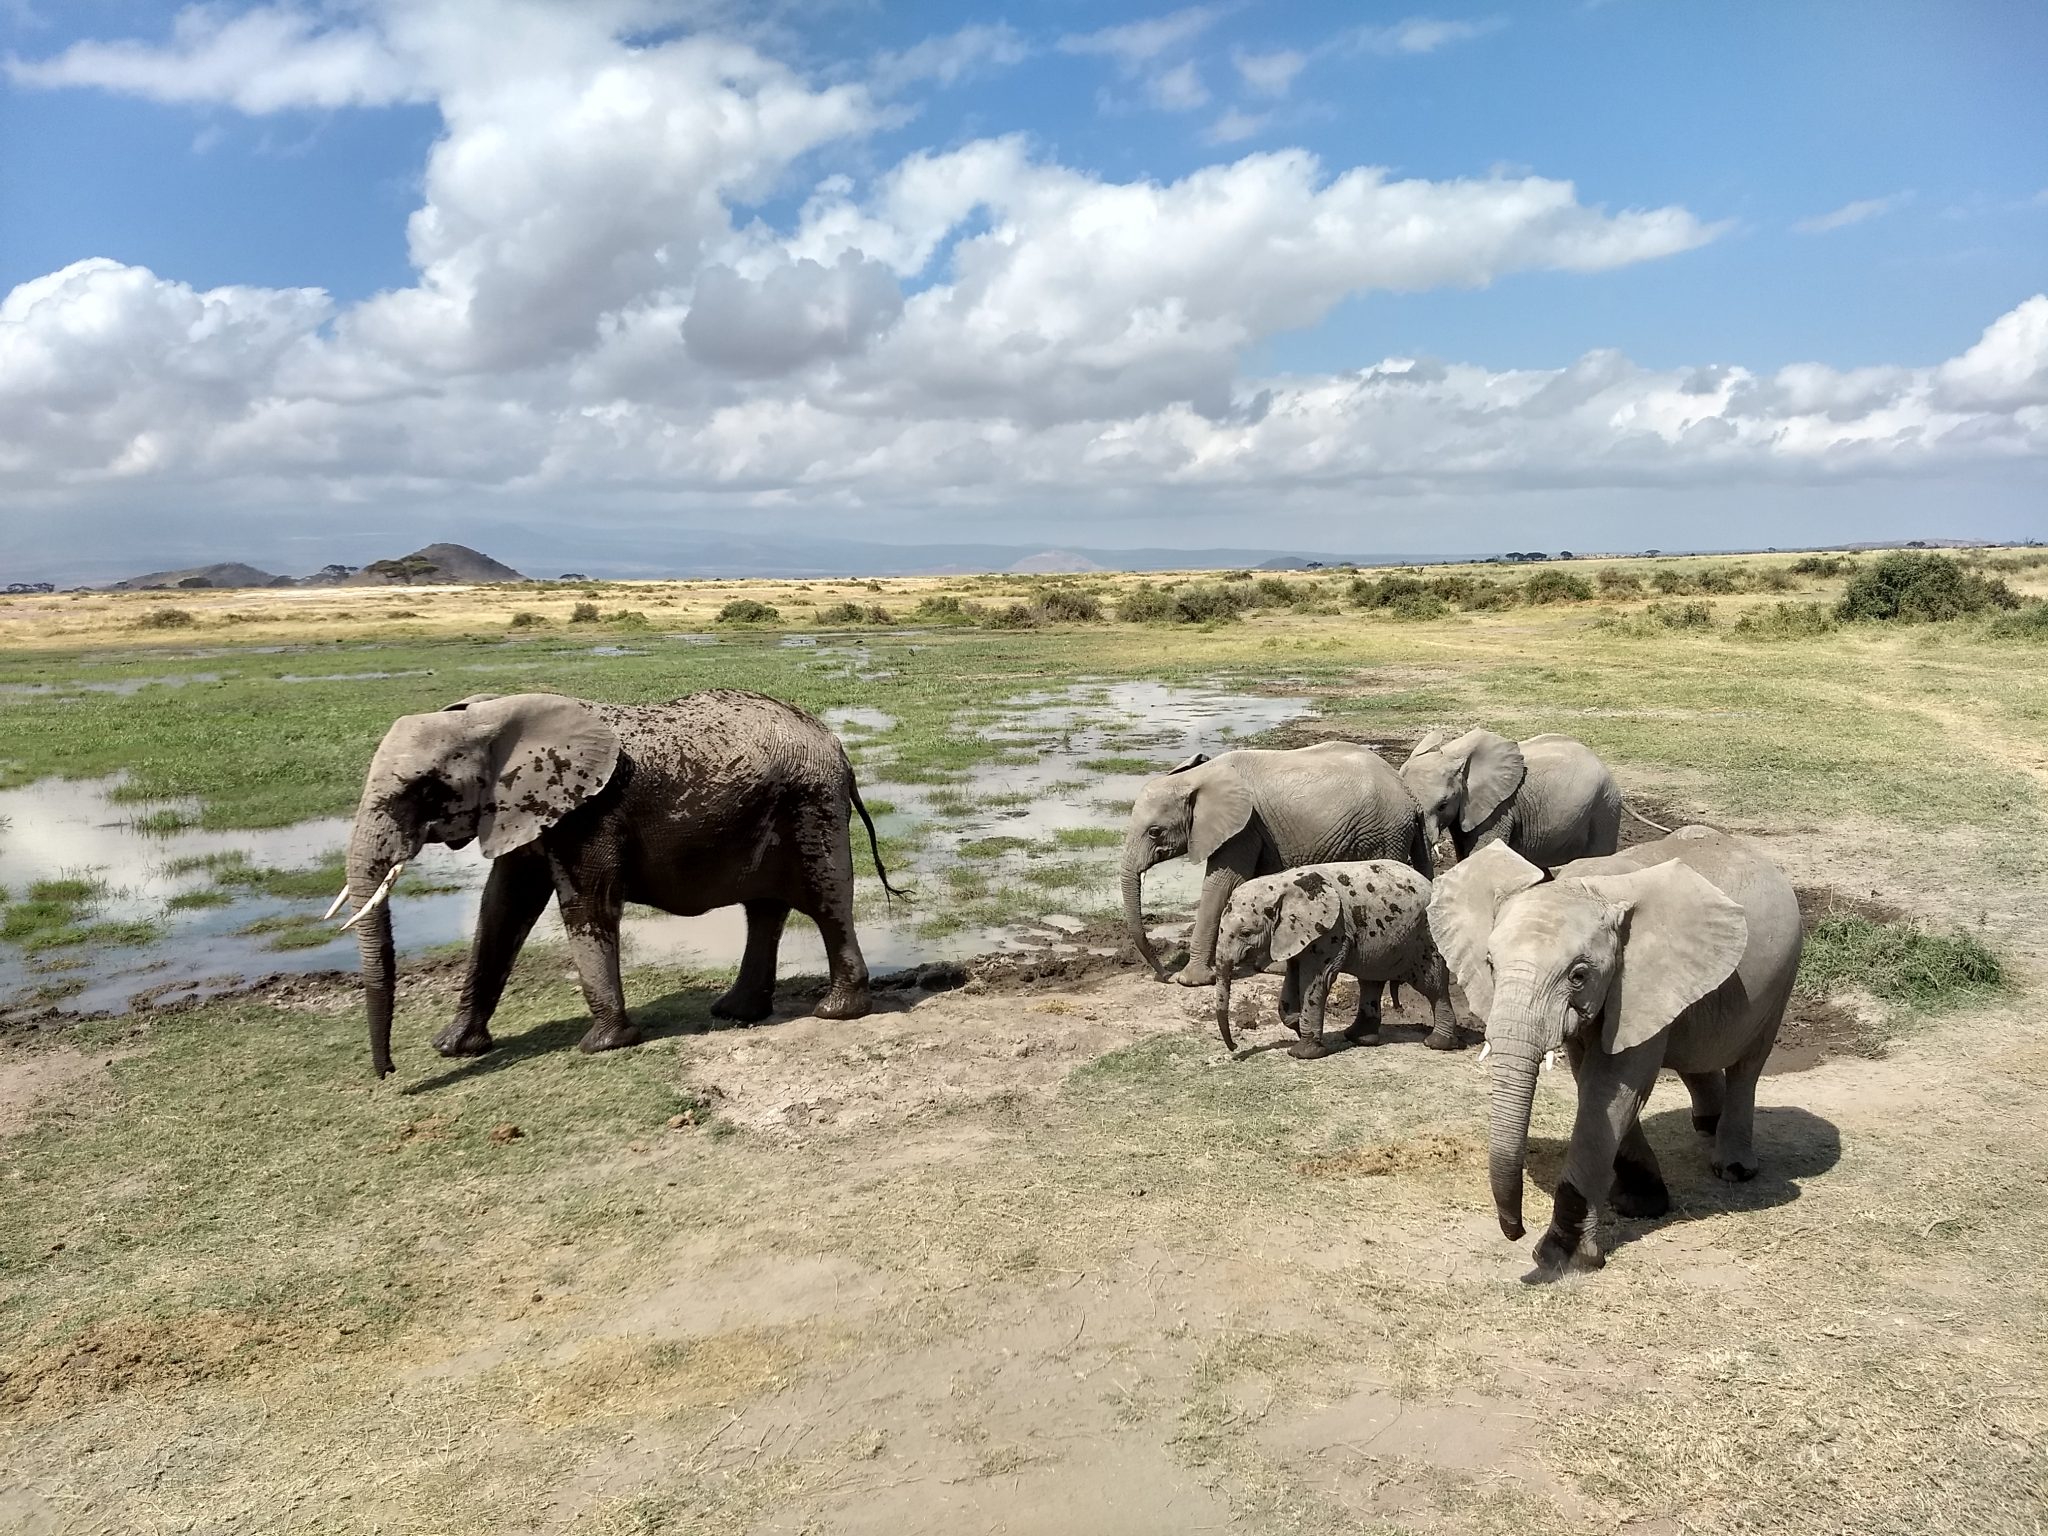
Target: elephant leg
x: 590, y: 914
x: 1433, y: 981
x: 1290, y: 1000
x: 1734, y: 1156
x: 516, y: 892
x: 1639, y: 1189
x: 751, y: 997
x: 1228, y: 869
x: 1320, y: 964
x: 1709, y: 1092
x: 1368, y: 1020
x: 1612, y: 1090
x: 847, y: 997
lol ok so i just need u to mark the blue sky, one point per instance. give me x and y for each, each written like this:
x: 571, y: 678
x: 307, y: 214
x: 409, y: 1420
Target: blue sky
x: 1861, y: 187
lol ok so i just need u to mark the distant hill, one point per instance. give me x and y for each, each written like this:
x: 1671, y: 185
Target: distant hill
x: 1055, y: 562
x: 436, y: 565
x: 228, y: 574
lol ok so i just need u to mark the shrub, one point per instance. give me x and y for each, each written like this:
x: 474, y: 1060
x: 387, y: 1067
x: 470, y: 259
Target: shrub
x: 166, y: 618
x: 1823, y: 565
x: 1784, y: 621
x: 2028, y: 623
x: 1417, y: 605
x: 628, y: 618
x: 1557, y: 587
x: 1144, y: 604
x: 583, y: 613
x: 1672, y: 582
x: 1387, y: 590
x: 1721, y: 580
x: 1614, y: 583
x: 1070, y: 605
x: 526, y: 620
x: 1237, y: 575
x: 1475, y: 594
x: 1662, y: 618
x: 746, y: 610
x: 939, y: 610
x: 1773, y: 578
x: 1009, y: 616
x: 1275, y: 593
x: 843, y: 613
x: 1906, y: 587
x: 1207, y: 602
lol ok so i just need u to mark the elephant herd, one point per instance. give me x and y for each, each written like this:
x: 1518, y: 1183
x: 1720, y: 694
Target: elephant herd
x: 1318, y: 862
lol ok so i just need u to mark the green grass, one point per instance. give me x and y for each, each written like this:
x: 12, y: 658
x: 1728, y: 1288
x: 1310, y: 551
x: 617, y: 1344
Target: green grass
x: 992, y: 847
x: 71, y: 891
x: 1120, y: 765
x: 164, y: 823
x: 1903, y: 964
x: 1087, y: 837
x: 194, y: 901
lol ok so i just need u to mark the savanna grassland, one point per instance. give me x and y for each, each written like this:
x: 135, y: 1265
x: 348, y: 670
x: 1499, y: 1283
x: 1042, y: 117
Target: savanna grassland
x: 1031, y: 1253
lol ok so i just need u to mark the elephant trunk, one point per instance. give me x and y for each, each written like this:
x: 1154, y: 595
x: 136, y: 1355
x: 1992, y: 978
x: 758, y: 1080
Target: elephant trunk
x: 1514, y: 1095
x: 370, y: 859
x: 1134, y: 909
x: 1223, y: 973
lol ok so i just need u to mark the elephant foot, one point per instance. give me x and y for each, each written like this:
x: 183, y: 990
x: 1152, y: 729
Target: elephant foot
x: 1364, y: 1034
x: 1734, y: 1170
x: 460, y: 1039
x: 607, y: 1037
x: 748, y: 1007
x: 1559, y: 1253
x: 1706, y: 1125
x: 1306, y: 1049
x: 1443, y: 1039
x: 1641, y: 1201
x: 843, y: 1003
x: 1192, y: 975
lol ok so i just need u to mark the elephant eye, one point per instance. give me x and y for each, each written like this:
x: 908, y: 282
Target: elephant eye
x: 1580, y: 973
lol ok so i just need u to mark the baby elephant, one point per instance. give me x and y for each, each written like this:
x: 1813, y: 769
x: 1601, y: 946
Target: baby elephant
x: 1370, y: 919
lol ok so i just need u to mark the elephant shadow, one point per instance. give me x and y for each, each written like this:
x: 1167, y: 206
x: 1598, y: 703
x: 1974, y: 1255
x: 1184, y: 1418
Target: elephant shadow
x: 685, y: 1011
x: 1792, y: 1145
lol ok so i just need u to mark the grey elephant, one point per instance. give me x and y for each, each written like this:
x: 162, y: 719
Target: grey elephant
x: 1253, y: 812
x: 1369, y: 920
x: 1678, y: 953
x: 716, y: 798
x: 1548, y: 798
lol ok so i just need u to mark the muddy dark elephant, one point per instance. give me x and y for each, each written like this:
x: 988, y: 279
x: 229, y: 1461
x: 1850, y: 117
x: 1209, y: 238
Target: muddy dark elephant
x: 1679, y: 953
x: 1252, y: 812
x: 717, y: 798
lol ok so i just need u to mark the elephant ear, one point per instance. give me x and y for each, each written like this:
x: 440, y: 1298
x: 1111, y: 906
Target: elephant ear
x: 1308, y: 908
x: 544, y: 755
x: 1188, y: 762
x: 1463, y: 904
x: 1493, y: 770
x: 1684, y: 937
x: 474, y: 698
x: 1222, y: 809
x: 1429, y: 743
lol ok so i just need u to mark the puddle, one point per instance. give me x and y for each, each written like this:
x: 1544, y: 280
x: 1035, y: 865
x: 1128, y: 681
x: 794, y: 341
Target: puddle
x: 1044, y: 787
x: 616, y: 650
x: 125, y: 687
x: 349, y: 677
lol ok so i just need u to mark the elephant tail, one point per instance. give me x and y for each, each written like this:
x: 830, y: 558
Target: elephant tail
x: 874, y: 844
x: 1639, y: 816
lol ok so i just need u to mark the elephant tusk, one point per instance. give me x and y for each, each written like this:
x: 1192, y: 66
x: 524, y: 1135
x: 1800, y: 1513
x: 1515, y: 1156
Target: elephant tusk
x: 1549, y: 1060
x: 338, y: 903
x: 377, y: 898
x: 1485, y: 1050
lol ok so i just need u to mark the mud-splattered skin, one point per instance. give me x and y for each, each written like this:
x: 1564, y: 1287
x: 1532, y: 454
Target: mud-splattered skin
x: 1368, y: 919
x: 717, y: 798
x: 1252, y: 812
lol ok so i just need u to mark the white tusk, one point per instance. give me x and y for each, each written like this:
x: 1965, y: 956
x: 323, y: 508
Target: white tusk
x: 1486, y: 1050
x: 1549, y: 1060
x: 377, y: 897
x: 339, y: 901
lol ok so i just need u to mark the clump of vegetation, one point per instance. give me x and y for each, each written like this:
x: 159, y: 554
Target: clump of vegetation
x: 583, y: 613
x: 940, y: 610
x: 2028, y: 623
x: 1207, y: 602
x: 747, y: 610
x: 1772, y: 578
x: 1823, y: 565
x: 1070, y: 605
x: 1557, y: 587
x: 1618, y: 583
x: 1372, y: 593
x: 1720, y: 580
x: 528, y: 620
x: 1009, y: 616
x: 1275, y: 592
x: 166, y: 618
x: 856, y: 613
x: 1662, y: 619
x: 1237, y: 575
x: 1672, y: 582
x: 1784, y: 621
x: 1144, y: 604
x: 1913, y: 587
x: 1900, y: 963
